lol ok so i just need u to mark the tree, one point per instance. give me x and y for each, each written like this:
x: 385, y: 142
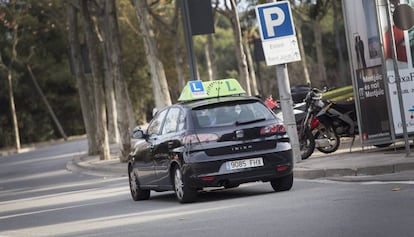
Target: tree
x: 108, y: 24
x: 159, y: 81
x: 85, y: 86
x: 101, y: 133
x: 13, y: 25
x: 231, y: 13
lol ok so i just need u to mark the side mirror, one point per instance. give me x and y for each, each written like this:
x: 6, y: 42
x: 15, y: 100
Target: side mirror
x: 137, y: 133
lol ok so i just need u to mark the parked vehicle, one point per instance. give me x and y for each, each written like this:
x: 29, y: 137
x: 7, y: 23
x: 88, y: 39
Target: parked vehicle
x: 326, y: 138
x: 214, y: 137
x: 311, y: 132
x: 341, y: 116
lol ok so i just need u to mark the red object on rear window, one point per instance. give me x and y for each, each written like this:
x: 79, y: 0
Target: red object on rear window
x: 270, y: 103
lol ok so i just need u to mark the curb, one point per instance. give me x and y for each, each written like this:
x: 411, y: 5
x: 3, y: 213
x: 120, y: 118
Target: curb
x: 85, y: 164
x: 361, y: 171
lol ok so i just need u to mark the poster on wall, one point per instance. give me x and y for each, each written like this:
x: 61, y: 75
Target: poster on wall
x: 365, y: 52
x: 375, y: 123
x: 404, y: 47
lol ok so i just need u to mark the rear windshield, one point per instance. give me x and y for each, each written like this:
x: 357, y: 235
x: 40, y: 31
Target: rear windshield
x: 230, y: 113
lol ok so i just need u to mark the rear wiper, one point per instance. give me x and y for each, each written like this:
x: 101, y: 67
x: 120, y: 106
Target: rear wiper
x: 249, y: 121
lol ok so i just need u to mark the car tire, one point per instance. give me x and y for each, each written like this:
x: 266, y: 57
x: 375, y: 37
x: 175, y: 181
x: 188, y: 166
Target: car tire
x: 282, y: 184
x: 183, y: 192
x: 137, y: 192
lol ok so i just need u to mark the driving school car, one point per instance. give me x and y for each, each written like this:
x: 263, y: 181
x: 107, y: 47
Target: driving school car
x: 214, y: 137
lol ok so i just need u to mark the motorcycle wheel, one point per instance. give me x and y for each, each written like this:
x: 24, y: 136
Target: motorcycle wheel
x: 306, y: 142
x: 327, y: 132
x: 383, y: 145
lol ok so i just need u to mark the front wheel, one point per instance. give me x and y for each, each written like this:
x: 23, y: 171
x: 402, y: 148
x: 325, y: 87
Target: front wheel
x: 383, y: 145
x: 184, y: 193
x: 282, y: 184
x: 327, y: 132
x: 136, y: 192
x: 306, y: 142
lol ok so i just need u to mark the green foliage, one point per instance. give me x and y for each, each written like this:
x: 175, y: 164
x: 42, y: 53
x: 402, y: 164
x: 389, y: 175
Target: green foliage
x: 135, y: 67
x: 42, y: 44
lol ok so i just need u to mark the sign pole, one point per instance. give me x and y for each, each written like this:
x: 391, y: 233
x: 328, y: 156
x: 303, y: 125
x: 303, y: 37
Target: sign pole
x: 287, y: 109
x: 189, y: 41
x: 280, y: 46
x: 398, y: 82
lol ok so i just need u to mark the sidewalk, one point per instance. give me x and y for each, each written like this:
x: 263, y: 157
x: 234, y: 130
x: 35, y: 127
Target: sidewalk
x: 345, y: 162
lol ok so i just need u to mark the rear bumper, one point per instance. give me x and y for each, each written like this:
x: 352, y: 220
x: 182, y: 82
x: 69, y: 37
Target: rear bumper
x: 215, y: 173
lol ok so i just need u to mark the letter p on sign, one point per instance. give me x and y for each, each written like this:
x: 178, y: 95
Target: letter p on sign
x: 275, y: 20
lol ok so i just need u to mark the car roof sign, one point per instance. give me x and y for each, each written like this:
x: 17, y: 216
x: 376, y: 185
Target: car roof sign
x: 195, y: 90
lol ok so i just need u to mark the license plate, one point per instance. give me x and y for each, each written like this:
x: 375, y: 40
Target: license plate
x: 246, y: 163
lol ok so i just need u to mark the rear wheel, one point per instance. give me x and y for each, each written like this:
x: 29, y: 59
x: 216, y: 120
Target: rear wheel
x: 383, y: 145
x: 306, y: 142
x: 136, y: 192
x: 184, y: 193
x: 327, y: 132
x: 282, y: 184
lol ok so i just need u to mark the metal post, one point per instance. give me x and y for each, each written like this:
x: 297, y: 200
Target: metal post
x: 189, y: 40
x: 287, y: 109
x: 398, y: 81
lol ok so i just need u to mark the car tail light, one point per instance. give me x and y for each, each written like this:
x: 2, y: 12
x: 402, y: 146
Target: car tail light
x: 281, y: 168
x: 207, y: 178
x: 273, y: 129
x: 200, y: 138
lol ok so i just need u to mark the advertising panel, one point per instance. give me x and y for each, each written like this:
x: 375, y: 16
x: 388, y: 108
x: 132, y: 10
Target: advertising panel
x: 402, y: 22
x: 365, y: 52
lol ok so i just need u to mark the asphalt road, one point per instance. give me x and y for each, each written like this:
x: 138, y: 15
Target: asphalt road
x: 39, y: 197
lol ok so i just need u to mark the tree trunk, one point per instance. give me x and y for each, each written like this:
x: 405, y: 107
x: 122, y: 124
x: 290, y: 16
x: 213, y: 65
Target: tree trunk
x: 240, y: 55
x: 85, y: 87
x: 250, y: 62
x: 319, y: 52
x: 93, y: 47
x: 13, y: 110
x: 46, y: 102
x: 110, y: 100
x: 159, y: 81
x: 306, y: 77
x: 10, y: 82
x: 342, y: 77
x: 113, y: 49
x: 179, y: 61
x: 210, y: 58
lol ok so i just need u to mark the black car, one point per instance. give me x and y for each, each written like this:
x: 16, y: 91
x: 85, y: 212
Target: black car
x: 222, y: 141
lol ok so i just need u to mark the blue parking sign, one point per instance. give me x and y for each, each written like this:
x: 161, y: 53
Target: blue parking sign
x: 275, y: 20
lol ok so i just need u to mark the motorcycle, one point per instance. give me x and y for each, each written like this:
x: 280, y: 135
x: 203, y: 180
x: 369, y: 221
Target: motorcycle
x: 312, y: 133
x: 325, y: 138
x: 341, y: 116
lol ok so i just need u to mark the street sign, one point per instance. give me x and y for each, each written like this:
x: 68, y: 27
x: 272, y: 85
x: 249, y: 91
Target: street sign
x: 275, y: 20
x: 281, y: 51
x: 277, y: 31
x: 280, y: 46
